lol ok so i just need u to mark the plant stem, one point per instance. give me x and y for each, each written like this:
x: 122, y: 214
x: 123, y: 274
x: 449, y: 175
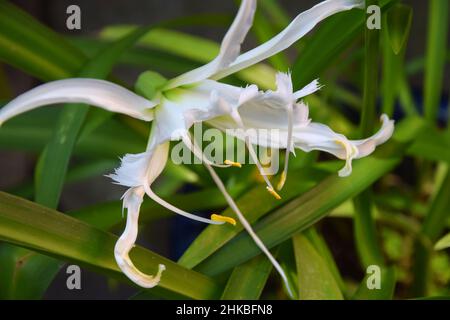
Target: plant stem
x: 432, y: 227
x: 435, y: 56
x: 372, y: 48
x: 364, y: 224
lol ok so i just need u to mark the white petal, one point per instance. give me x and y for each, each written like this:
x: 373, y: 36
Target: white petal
x: 182, y: 107
x: 99, y: 93
x: 229, y: 49
x: 307, y: 137
x: 141, y: 169
x: 367, y: 146
x: 247, y: 94
x: 284, y: 84
x: 301, y: 114
x: 266, y: 110
x: 132, y: 170
x: 307, y: 90
x: 320, y: 137
x: 132, y: 200
x: 300, y: 26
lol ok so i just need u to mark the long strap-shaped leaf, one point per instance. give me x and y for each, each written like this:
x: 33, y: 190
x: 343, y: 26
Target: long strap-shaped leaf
x: 315, y: 279
x: 247, y: 280
x: 32, y: 47
x: 432, y: 227
x: 38, y: 228
x: 438, y: 21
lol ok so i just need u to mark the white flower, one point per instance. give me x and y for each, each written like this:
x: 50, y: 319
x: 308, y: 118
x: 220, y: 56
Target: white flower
x: 197, y: 96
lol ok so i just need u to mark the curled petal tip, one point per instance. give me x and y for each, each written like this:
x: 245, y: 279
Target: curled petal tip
x: 129, y: 269
x: 161, y: 268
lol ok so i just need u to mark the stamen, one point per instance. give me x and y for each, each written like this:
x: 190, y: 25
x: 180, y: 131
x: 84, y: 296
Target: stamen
x: 192, y: 145
x: 274, y: 193
x: 288, y: 147
x: 237, y: 118
x: 248, y: 227
x: 172, y: 208
x: 218, y: 217
x: 233, y: 164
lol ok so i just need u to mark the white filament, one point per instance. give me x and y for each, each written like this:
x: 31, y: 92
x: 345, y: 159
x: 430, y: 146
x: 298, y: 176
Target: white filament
x: 248, y: 227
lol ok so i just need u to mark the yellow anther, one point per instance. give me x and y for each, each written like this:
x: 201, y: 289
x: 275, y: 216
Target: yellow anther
x: 233, y: 164
x: 218, y: 217
x: 274, y: 193
x: 282, y: 180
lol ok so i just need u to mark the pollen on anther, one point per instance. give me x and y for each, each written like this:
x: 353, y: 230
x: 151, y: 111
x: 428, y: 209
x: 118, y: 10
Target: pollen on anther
x: 274, y: 193
x: 233, y: 164
x: 218, y: 217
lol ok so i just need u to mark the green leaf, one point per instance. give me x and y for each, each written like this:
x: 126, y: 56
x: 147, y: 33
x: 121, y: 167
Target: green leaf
x: 24, y: 278
x: 435, y: 56
x: 434, y: 222
x: 303, y: 211
x: 331, y: 38
x: 432, y: 227
x: 145, y: 57
x: 149, y: 83
x: 192, y: 47
x: 391, y: 70
x: 399, y: 20
x: 277, y: 15
x: 30, y: 132
x: 315, y: 280
x: 366, y: 238
x: 433, y: 145
x: 264, y: 31
x: 443, y: 243
x: 78, y: 173
x: 247, y: 281
x: 38, y: 228
x: 30, y: 46
x: 322, y: 248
